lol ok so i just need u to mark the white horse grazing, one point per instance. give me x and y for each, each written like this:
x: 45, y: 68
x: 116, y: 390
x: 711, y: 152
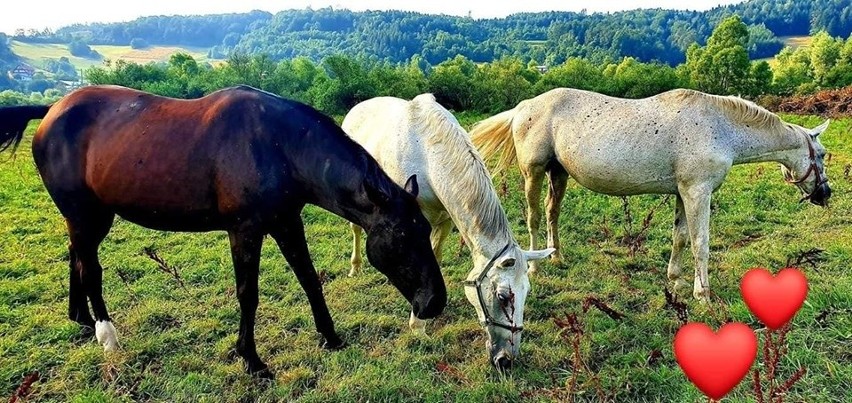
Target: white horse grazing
x: 422, y: 138
x: 681, y: 142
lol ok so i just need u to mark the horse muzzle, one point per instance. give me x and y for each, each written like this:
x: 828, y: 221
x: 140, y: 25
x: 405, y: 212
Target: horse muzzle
x: 429, y: 302
x: 820, y: 195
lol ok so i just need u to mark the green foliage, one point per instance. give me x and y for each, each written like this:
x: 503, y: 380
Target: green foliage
x: 396, y: 36
x: 13, y: 98
x: 723, y: 66
x: 827, y: 63
x: 61, y: 68
x: 81, y: 49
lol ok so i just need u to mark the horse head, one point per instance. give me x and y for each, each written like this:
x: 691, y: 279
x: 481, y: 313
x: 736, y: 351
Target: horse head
x: 498, y: 290
x: 807, y: 170
x: 398, y: 246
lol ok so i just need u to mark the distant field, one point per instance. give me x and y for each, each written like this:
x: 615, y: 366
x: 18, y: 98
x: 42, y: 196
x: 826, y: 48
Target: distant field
x: 36, y: 53
x: 794, y: 42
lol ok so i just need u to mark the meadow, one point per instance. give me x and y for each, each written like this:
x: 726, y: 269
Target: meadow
x: 177, y: 331
x: 36, y: 53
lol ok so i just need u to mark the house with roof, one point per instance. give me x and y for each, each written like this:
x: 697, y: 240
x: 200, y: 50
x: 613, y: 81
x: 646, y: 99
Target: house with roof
x: 23, y: 72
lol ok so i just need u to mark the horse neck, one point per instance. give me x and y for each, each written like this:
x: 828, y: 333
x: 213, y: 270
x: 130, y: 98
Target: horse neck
x: 465, y: 190
x: 336, y: 182
x: 757, y: 145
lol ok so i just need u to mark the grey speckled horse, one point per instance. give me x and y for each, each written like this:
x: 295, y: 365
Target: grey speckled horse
x: 680, y: 142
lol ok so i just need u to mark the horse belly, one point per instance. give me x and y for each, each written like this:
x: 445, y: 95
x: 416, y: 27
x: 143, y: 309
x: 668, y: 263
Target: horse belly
x: 624, y: 176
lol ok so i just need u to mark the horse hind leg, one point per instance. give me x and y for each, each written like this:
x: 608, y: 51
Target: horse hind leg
x: 533, y: 178
x: 78, y: 308
x: 680, y: 238
x: 697, y: 208
x: 558, y: 182
x: 87, y: 233
x: 245, y: 253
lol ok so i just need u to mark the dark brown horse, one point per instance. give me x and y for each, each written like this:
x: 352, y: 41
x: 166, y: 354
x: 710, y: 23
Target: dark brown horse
x: 239, y: 160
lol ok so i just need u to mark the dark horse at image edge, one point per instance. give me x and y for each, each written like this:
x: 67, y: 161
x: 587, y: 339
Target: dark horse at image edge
x: 239, y: 160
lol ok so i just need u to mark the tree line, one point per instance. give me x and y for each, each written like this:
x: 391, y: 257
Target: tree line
x: 722, y: 66
x: 548, y: 38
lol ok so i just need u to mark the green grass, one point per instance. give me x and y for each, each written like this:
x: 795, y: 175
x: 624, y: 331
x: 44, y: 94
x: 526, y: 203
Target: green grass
x: 175, y: 341
x: 37, y: 53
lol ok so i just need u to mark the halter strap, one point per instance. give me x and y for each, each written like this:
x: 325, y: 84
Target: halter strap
x: 812, y: 168
x: 488, y: 319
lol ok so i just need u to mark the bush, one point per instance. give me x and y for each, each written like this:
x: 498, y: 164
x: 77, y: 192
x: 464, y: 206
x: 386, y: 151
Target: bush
x: 81, y: 49
x: 138, y: 43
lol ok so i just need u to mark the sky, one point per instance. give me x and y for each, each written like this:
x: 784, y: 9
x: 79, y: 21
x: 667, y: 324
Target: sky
x: 56, y: 13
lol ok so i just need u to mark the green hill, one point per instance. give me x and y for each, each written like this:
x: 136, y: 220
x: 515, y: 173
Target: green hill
x: 36, y: 54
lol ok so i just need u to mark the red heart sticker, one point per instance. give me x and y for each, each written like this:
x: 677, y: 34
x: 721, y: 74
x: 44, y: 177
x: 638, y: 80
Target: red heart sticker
x: 715, y: 362
x: 774, y: 300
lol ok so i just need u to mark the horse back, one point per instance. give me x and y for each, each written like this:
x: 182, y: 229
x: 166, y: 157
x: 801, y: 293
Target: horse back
x: 158, y: 161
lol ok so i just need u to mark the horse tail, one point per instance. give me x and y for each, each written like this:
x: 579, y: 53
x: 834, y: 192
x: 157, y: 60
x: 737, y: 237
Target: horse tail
x: 494, y: 135
x: 14, y: 120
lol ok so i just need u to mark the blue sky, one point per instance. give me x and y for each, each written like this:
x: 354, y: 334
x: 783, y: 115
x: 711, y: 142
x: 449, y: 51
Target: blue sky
x: 54, y: 13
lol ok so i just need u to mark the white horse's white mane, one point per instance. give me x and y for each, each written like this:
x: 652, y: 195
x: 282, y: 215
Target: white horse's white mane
x: 447, y: 137
x: 738, y: 109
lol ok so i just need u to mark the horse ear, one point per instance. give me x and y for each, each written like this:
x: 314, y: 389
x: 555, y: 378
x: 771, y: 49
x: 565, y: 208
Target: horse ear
x: 539, y: 254
x: 411, y: 186
x: 820, y: 129
x: 377, y: 196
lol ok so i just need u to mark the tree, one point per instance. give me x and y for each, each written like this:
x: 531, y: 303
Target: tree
x: 138, y: 43
x: 723, y: 66
x: 824, y: 54
x: 760, y: 79
x: 792, y: 71
x: 80, y: 49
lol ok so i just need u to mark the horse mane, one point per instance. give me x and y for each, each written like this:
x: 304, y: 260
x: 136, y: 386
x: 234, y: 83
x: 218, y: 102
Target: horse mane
x: 444, y: 133
x: 739, y: 110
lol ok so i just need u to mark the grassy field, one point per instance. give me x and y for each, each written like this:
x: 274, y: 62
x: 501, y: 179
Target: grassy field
x: 36, y: 53
x: 176, y: 340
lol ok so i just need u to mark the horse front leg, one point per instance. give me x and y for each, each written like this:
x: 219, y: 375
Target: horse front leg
x: 356, y: 260
x: 558, y: 181
x: 680, y: 238
x: 438, y: 236
x: 533, y: 177
x: 291, y: 240
x: 245, y: 253
x: 697, y: 207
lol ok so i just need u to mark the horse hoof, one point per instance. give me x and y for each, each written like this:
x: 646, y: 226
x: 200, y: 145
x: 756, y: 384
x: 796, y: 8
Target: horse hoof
x: 333, y: 344
x: 106, y: 335
x: 262, y: 373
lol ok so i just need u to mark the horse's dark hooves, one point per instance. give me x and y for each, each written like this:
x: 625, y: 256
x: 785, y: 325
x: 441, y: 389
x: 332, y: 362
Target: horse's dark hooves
x: 262, y: 373
x: 332, y: 344
x: 86, y: 334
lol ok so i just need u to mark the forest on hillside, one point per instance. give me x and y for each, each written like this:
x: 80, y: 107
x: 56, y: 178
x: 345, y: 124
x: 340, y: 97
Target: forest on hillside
x: 339, y: 82
x: 396, y: 36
